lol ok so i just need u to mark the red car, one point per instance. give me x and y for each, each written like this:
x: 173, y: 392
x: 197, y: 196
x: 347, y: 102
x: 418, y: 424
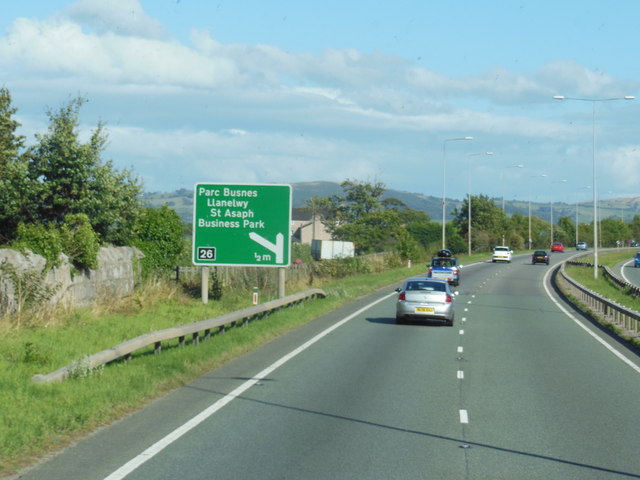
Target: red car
x: 557, y: 247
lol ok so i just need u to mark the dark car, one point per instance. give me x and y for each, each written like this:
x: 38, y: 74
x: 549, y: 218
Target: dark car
x: 540, y: 256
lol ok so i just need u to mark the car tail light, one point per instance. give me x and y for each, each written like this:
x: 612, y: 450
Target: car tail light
x: 430, y: 270
x: 455, y: 271
x: 449, y: 299
x: 402, y: 296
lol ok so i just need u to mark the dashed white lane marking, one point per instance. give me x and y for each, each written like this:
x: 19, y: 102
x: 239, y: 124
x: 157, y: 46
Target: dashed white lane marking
x: 464, y: 319
x: 461, y: 332
x: 464, y: 416
x: 460, y: 349
x: 460, y: 374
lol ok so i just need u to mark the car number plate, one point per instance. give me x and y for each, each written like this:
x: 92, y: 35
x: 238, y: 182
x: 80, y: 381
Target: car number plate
x: 425, y: 309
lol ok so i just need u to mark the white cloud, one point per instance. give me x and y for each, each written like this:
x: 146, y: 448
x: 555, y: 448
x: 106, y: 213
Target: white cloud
x: 622, y: 167
x: 184, y: 157
x: 60, y: 47
x: 123, y: 17
x: 569, y: 78
x: 205, y: 110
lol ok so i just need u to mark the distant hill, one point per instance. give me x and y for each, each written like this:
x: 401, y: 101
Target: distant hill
x: 182, y: 202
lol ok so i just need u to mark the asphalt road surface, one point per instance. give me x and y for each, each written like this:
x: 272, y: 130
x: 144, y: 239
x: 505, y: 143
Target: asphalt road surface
x: 519, y: 388
x: 628, y: 271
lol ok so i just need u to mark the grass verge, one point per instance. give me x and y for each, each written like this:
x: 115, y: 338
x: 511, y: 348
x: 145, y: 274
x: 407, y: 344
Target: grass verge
x: 39, y: 419
x: 605, y: 288
x: 584, y: 276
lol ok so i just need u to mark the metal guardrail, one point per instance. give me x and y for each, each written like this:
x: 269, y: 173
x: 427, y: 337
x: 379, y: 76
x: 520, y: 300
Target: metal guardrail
x: 610, y: 311
x: 125, y: 349
x: 621, y: 283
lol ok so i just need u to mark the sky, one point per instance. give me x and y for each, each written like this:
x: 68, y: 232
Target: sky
x: 248, y: 91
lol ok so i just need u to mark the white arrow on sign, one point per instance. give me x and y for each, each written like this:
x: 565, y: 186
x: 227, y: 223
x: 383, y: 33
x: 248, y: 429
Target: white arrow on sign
x: 277, y: 248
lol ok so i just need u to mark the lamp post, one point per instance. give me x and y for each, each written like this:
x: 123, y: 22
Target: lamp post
x: 469, y: 195
x: 533, y: 176
x: 593, y: 144
x: 444, y: 184
x: 502, y: 180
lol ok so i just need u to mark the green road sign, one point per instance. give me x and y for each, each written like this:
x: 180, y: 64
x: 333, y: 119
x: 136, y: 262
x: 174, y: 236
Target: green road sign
x: 238, y: 224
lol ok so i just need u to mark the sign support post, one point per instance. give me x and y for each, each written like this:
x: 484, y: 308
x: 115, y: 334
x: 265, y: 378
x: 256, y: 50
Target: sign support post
x: 243, y: 225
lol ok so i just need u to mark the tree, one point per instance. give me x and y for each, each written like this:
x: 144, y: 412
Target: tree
x: 359, y: 200
x: 612, y: 231
x: 565, y: 231
x: 362, y: 198
x: 374, y: 232
x: 428, y: 234
x: 14, y: 184
x: 10, y: 143
x: 69, y: 178
x: 634, y: 228
x: 488, y: 222
x: 373, y: 224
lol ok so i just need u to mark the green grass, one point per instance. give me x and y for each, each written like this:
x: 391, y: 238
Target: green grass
x: 38, y: 419
x: 607, y: 289
x: 584, y: 276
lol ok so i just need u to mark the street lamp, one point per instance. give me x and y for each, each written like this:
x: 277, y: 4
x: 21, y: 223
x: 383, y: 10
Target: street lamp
x: 444, y: 184
x: 502, y: 180
x: 533, y: 176
x: 593, y: 144
x: 469, y: 194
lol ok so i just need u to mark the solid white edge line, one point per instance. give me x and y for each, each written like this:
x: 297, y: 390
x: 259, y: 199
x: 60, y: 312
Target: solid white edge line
x: 597, y: 337
x: 164, y: 442
x: 624, y: 275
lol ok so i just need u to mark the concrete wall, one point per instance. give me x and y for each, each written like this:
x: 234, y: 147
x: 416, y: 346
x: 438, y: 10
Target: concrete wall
x: 114, y: 277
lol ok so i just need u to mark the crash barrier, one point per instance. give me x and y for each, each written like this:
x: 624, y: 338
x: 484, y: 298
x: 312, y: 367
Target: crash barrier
x: 621, y: 283
x: 622, y: 317
x: 197, y: 331
x: 610, y: 274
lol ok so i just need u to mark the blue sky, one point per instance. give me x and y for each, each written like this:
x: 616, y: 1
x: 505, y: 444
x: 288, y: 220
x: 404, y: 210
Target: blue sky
x: 289, y: 91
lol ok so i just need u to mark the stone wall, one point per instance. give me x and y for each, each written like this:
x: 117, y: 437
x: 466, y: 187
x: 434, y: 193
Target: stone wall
x: 115, y: 277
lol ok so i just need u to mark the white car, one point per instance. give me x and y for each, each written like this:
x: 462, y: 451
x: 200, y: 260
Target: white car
x: 501, y: 253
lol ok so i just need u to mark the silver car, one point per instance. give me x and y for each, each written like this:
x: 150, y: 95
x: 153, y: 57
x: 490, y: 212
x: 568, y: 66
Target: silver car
x: 423, y: 298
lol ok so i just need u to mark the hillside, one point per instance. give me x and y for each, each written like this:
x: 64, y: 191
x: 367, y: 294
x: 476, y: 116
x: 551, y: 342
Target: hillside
x: 182, y: 202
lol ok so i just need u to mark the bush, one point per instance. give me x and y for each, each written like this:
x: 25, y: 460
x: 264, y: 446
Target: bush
x: 41, y: 239
x: 341, y: 267
x: 159, y: 235
x: 81, y: 243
